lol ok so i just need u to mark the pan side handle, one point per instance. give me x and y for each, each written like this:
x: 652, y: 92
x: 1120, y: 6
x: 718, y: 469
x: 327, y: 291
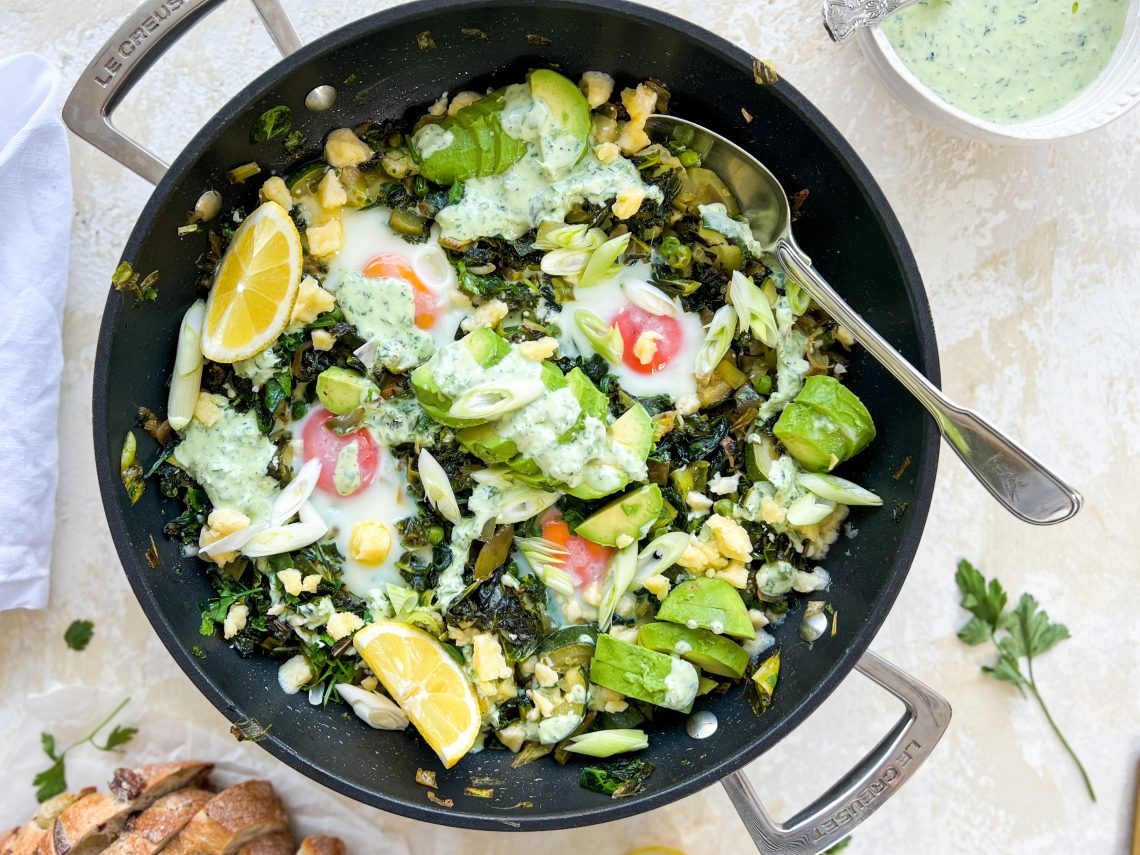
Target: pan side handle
x: 862, y: 790
x: 120, y: 64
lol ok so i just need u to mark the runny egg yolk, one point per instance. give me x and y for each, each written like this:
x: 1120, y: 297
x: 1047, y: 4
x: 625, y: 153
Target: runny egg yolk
x: 650, y: 341
x: 394, y: 266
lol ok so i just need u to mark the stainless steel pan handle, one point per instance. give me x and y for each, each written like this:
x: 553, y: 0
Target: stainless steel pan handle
x: 862, y: 790
x: 141, y: 39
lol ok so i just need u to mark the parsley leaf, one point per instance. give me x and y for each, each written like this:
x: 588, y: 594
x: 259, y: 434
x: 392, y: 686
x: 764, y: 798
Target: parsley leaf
x: 78, y: 635
x: 53, y: 780
x: 1021, y: 633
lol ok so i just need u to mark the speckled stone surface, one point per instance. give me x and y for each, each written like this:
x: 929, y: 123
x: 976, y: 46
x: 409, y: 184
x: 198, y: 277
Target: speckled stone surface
x: 1031, y: 257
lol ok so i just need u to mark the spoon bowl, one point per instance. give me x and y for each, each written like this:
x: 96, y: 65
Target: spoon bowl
x: 1021, y: 483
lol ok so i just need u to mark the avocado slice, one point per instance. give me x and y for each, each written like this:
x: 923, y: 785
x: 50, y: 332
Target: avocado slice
x: 479, y: 145
x: 624, y: 517
x: 825, y: 424
x: 707, y: 650
x: 711, y: 604
x: 485, y: 443
x: 569, y: 110
x: 644, y: 674
x: 484, y: 346
x: 633, y: 430
x: 342, y: 390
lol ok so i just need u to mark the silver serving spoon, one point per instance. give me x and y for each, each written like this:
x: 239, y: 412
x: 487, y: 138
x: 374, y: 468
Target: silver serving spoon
x: 1021, y: 483
x: 841, y: 18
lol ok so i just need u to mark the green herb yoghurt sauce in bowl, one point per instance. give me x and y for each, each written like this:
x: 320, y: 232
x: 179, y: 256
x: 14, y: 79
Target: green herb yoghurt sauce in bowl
x: 1011, y: 71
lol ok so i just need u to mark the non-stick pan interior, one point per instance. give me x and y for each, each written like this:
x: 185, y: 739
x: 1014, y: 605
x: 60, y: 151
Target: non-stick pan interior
x: 380, y: 71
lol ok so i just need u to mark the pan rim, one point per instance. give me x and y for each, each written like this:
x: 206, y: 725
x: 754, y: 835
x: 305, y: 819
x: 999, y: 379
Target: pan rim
x: 842, y: 664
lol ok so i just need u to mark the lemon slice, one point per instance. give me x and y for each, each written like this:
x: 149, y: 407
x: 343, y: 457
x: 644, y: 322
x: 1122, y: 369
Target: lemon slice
x: 426, y: 682
x: 254, y: 288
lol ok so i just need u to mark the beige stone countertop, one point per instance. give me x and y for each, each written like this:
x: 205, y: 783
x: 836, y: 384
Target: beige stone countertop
x: 1031, y: 257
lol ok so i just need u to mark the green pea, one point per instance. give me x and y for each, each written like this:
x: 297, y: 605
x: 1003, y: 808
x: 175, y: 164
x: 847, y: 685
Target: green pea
x: 724, y: 507
x: 689, y: 158
x: 762, y: 383
x: 435, y: 535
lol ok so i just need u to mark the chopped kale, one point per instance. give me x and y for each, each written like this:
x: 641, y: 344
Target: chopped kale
x: 618, y: 779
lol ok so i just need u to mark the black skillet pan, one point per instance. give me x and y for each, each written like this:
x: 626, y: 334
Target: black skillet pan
x: 379, y: 68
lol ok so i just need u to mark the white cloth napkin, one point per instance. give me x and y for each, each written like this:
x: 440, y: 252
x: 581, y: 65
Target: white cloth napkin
x: 35, y: 224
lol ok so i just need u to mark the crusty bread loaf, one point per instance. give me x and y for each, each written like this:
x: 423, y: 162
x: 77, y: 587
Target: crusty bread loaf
x: 322, y: 844
x: 91, y: 824
x: 230, y: 820
x: 281, y: 843
x: 29, y: 838
x: 147, y: 832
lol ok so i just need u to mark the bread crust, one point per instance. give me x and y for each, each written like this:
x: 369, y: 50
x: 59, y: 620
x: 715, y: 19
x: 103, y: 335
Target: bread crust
x: 281, y: 843
x: 148, y: 832
x: 230, y: 820
x: 322, y: 844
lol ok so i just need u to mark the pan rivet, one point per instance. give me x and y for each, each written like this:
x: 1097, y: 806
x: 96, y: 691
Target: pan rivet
x: 321, y: 98
x: 701, y: 725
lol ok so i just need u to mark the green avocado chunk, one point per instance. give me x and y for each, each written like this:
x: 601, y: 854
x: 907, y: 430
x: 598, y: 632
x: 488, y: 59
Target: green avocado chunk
x: 569, y: 110
x: 342, y: 390
x: 711, y: 604
x: 484, y: 346
x: 707, y: 650
x: 824, y: 425
x: 633, y: 429
x: 644, y: 674
x: 624, y: 517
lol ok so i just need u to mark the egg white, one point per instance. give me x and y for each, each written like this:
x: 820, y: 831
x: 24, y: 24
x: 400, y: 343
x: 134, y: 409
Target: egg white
x: 606, y: 300
x: 367, y: 234
x: 385, y: 500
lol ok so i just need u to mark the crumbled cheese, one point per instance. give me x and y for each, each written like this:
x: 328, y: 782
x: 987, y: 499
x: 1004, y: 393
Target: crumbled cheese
x: 312, y: 300
x: 513, y: 736
x: 657, y: 585
x: 235, y: 620
x: 736, y: 574
x: 843, y: 336
x: 226, y: 521
x: 291, y: 581
x: 439, y: 106
x: 698, y: 502
x: 325, y: 238
x: 632, y: 139
x: 701, y: 555
x: 344, y: 148
x: 323, y: 340
x: 628, y: 200
x: 688, y: 405
x: 487, y: 315
x: 369, y: 684
x: 607, y: 700
x: 771, y: 512
x: 607, y: 152
x: 207, y: 409
x: 461, y: 100
x: 592, y: 594
x: 758, y: 618
x: 623, y: 540
x: 544, y: 675
x: 639, y: 103
x: 487, y: 658
x: 542, y: 702
x: 275, y: 190
x: 294, y: 674
x: 310, y: 583
x: 722, y: 485
x: 539, y: 349
x: 598, y: 87
x: 330, y: 192
x: 463, y: 636
x: 624, y: 633
x: 343, y: 624
x: 370, y: 542
x: 807, y: 582
x: 731, y: 538
x: 645, y: 348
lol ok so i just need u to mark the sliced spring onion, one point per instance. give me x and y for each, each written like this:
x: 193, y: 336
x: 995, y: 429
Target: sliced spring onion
x: 557, y: 580
x: 570, y: 237
x: 809, y: 509
x: 619, y: 576
x: 308, y: 514
x: 838, y: 489
x: 437, y: 487
x: 284, y: 538
x: 606, y: 340
x: 233, y: 542
x: 753, y: 310
x: 491, y: 401
x: 607, y: 743
x: 546, y: 557
x: 565, y: 262
x: 366, y: 353
x: 496, y: 476
x: 186, y: 381
x: 604, y: 262
x: 797, y: 296
x: 651, y: 299
x: 296, y: 493
x: 208, y: 206
x: 659, y: 555
x: 717, y: 341
x: 521, y: 503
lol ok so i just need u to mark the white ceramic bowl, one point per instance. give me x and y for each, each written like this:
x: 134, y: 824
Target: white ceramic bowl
x: 1110, y: 96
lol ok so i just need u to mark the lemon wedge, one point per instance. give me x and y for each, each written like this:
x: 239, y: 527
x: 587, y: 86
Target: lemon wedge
x: 426, y: 682
x: 255, y: 286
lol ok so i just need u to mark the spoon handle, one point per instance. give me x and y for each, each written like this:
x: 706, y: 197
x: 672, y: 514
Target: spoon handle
x: 841, y: 18
x: 1017, y: 480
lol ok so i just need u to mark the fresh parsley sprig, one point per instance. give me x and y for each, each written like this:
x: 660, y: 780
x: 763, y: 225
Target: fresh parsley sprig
x: 53, y: 780
x: 1022, y: 632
